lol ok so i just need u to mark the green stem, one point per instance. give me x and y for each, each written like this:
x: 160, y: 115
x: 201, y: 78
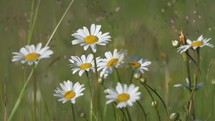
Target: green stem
x: 129, y: 116
x: 91, y: 96
x: 132, y: 75
x: 33, y: 21
x: 21, y: 95
x: 114, y: 111
x: 64, y: 14
x: 124, y: 115
x: 117, y: 74
x: 73, y: 112
x: 35, y: 99
x: 158, y: 97
x: 157, y: 111
x: 144, y: 113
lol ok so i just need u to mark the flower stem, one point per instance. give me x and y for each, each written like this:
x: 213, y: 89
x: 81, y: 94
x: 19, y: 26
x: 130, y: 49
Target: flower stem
x: 73, y: 112
x: 91, y: 96
x: 158, y: 97
x: 35, y: 100
x: 131, y: 78
x: 144, y: 113
x: 157, y: 111
x: 21, y: 95
x: 129, y: 116
x: 117, y: 74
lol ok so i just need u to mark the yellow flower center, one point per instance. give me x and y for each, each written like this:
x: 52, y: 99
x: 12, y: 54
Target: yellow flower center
x: 135, y: 64
x: 123, y: 97
x: 91, y: 39
x: 32, y: 56
x: 112, y: 62
x: 85, y: 66
x: 197, y: 43
x: 69, y: 94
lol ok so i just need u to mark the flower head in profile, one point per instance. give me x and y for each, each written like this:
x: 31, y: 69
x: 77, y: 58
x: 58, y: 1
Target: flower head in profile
x: 199, y: 43
x: 111, y: 61
x: 81, y: 64
x: 68, y: 91
x: 189, y: 86
x: 91, y: 38
x: 124, y: 95
x: 139, y: 65
x: 32, y: 54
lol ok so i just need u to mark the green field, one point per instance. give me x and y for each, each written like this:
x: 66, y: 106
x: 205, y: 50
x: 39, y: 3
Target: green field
x: 145, y: 28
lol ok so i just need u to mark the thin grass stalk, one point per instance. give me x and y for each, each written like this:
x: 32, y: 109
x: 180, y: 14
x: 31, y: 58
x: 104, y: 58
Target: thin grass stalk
x: 60, y: 21
x: 33, y: 21
x: 21, y: 94
x: 73, y: 112
x: 144, y: 112
x: 5, y: 101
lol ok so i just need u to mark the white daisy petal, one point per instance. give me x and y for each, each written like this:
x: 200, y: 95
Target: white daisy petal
x: 31, y: 54
x: 68, y: 92
x: 124, y: 95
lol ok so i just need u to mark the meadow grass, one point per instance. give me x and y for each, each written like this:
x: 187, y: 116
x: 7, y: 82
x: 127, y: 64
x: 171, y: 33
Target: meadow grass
x: 144, y: 28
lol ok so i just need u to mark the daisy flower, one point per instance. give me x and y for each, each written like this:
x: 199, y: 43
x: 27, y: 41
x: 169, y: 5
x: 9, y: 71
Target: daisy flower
x: 68, y: 91
x: 81, y: 64
x: 139, y: 65
x: 32, y: 54
x: 200, y: 42
x: 91, y: 38
x: 187, y: 86
x: 124, y: 95
x: 112, y: 60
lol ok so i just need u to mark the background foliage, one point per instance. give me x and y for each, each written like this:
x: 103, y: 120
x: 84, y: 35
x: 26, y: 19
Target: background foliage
x: 144, y: 27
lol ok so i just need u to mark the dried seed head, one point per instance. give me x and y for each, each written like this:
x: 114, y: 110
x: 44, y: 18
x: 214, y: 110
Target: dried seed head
x: 182, y: 38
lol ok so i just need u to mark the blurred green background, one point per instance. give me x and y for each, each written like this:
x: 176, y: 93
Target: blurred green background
x: 144, y: 27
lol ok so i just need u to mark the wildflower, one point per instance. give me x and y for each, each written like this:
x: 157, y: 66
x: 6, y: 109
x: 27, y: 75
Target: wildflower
x: 91, y: 39
x: 200, y: 42
x: 139, y: 65
x: 69, y: 92
x: 81, y: 64
x: 111, y: 61
x: 187, y: 86
x: 32, y: 54
x: 123, y: 94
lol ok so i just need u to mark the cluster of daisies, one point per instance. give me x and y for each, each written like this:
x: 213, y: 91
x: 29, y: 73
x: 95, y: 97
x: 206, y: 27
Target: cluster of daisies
x: 185, y: 44
x: 123, y: 94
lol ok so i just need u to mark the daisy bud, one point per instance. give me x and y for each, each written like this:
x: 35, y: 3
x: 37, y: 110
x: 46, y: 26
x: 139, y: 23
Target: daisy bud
x: 175, y: 43
x: 143, y: 80
x: 154, y: 103
x: 106, y: 92
x: 82, y: 115
x: 174, y: 117
x: 100, y: 81
x: 137, y: 75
